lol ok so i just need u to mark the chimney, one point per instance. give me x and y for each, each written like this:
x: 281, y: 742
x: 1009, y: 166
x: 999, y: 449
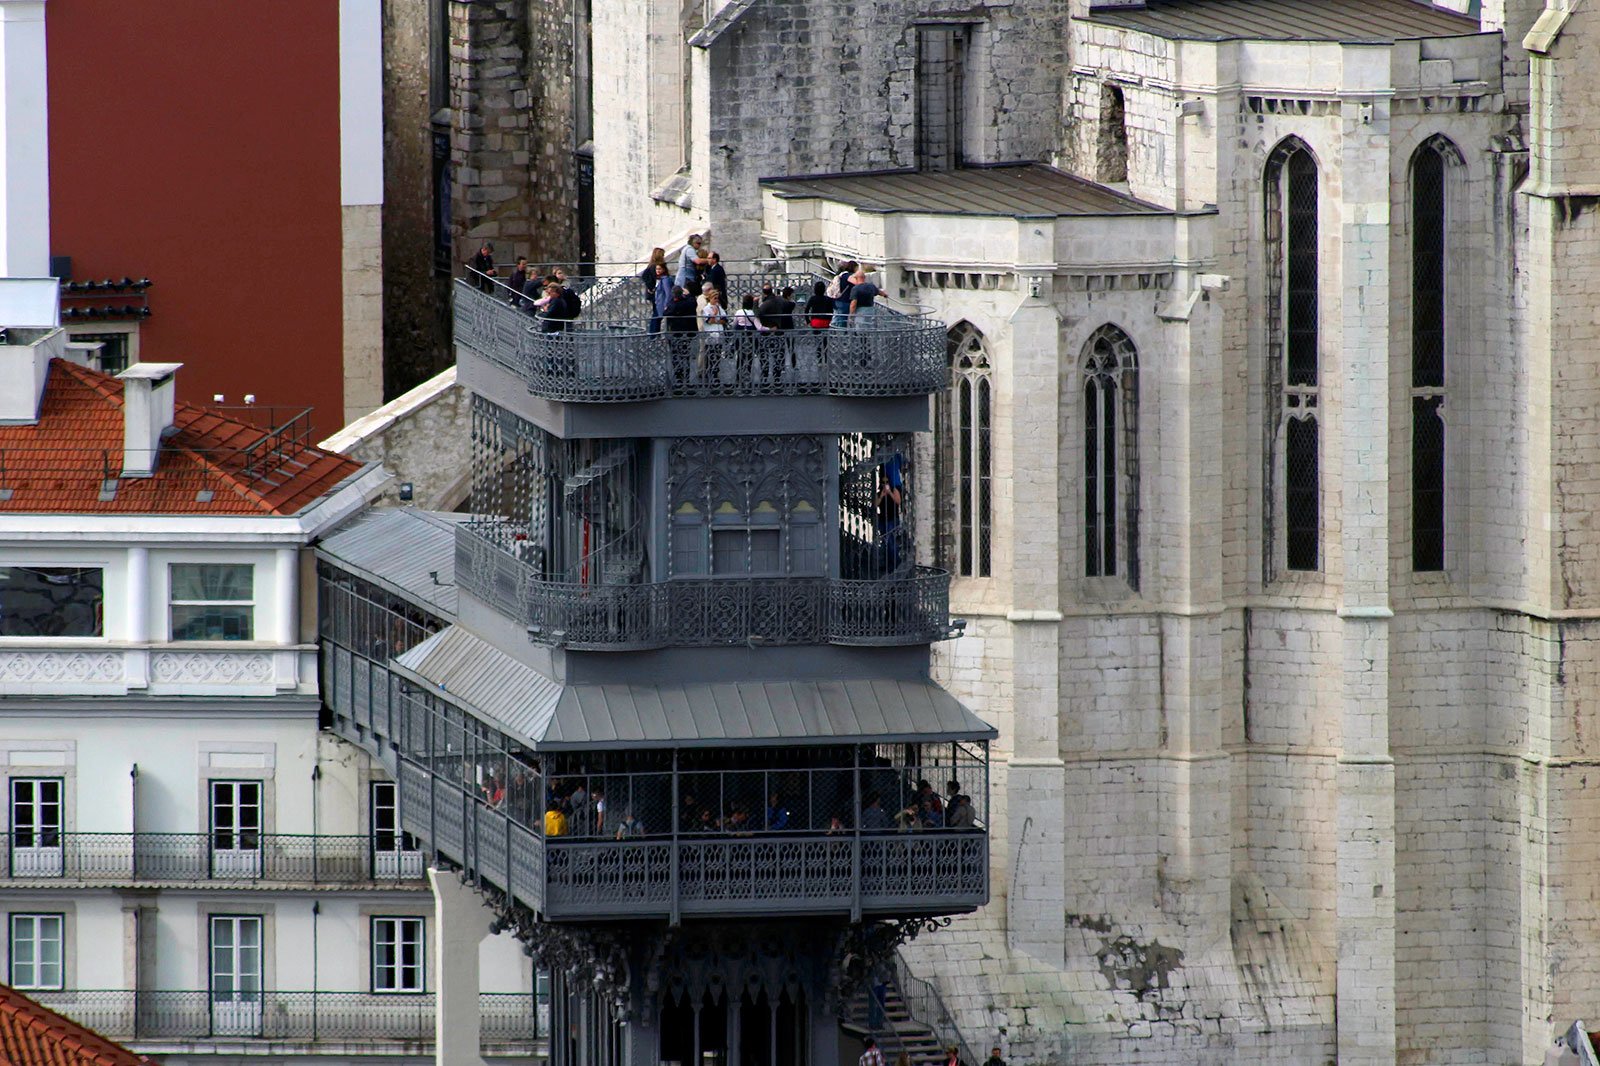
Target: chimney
x: 30, y: 334
x: 24, y: 145
x: 148, y: 404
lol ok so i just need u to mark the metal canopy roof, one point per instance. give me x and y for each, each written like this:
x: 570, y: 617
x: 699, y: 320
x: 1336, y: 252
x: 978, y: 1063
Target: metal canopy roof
x: 1006, y: 190
x: 400, y: 549
x: 1350, y: 21
x: 548, y: 716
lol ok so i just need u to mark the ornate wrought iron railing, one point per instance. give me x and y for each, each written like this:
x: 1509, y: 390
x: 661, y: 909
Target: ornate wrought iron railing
x: 927, y: 1006
x: 231, y: 856
x: 126, y: 1014
x: 612, y: 355
x: 912, y: 607
x: 872, y: 872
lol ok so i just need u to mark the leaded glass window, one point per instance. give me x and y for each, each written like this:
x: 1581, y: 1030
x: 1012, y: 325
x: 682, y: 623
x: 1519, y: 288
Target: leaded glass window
x: 963, y: 447
x: 1110, y: 455
x: 1431, y: 171
x: 1292, y: 321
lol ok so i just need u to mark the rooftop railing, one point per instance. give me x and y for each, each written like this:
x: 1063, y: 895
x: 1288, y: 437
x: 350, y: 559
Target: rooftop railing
x: 345, y: 1017
x: 907, y: 607
x: 615, y: 352
x: 223, y: 856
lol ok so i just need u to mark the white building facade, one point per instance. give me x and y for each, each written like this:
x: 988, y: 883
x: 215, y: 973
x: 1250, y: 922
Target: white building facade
x: 190, y: 863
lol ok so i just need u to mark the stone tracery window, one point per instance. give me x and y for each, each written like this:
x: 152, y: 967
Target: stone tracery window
x: 1110, y: 455
x: 1292, y: 320
x: 964, y: 456
x: 1433, y: 170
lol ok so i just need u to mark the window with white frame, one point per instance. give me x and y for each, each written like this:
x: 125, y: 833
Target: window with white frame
x: 212, y: 601
x: 397, y: 955
x: 36, y: 951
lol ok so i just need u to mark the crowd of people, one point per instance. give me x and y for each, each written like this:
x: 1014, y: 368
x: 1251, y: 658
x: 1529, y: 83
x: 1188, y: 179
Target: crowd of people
x: 694, y: 298
x: 577, y: 808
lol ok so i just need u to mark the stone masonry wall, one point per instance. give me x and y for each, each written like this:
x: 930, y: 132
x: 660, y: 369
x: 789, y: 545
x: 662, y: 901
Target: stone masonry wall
x: 514, y: 176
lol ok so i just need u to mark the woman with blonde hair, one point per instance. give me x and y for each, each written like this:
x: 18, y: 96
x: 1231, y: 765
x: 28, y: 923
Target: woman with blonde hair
x: 658, y: 258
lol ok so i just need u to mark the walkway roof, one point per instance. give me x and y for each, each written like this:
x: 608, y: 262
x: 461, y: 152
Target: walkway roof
x: 549, y: 716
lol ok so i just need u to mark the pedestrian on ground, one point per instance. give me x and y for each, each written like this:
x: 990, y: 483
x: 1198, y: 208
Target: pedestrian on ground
x: 871, y: 1056
x: 994, y: 1058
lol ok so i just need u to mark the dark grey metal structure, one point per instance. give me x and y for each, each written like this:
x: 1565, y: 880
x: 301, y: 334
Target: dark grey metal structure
x: 663, y: 695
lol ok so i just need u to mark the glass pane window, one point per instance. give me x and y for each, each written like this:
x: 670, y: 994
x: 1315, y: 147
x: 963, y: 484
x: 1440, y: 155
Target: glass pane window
x: 397, y: 960
x: 52, y: 601
x: 213, y: 601
x: 235, y: 957
x: 36, y: 952
x: 36, y: 812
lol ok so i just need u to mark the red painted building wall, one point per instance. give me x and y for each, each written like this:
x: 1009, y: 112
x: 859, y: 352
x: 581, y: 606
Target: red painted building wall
x: 196, y: 143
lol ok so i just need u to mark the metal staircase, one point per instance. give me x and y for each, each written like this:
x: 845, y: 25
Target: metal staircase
x: 900, y: 1032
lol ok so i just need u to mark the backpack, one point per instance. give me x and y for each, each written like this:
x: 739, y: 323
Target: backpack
x: 834, y: 291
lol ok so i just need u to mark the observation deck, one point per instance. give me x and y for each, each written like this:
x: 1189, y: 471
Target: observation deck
x: 610, y: 371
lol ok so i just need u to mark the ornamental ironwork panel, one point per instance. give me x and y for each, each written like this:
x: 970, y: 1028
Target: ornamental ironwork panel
x: 611, y: 354
x: 911, y: 607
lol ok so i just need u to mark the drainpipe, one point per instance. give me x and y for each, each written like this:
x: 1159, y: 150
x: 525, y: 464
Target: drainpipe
x: 133, y: 821
x: 316, y: 915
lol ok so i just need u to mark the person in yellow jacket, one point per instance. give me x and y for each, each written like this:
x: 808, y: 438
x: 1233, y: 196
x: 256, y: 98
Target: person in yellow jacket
x: 555, y: 823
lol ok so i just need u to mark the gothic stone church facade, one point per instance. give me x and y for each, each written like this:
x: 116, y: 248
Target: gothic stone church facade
x: 1266, y: 475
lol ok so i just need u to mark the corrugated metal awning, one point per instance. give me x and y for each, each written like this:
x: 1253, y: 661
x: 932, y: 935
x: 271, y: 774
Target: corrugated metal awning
x: 548, y: 716
x: 401, y: 549
x: 1006, y: 191
x: 1349, y: 21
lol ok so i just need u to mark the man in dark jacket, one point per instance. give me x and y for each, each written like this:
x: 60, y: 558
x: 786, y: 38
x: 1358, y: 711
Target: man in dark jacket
x: 718, y: 278
x: 483, y: 267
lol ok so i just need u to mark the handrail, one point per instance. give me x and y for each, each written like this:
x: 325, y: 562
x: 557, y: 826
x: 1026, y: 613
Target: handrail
x: 925, y: 1004
x: 621, y: 354
x: 707, y: 612
x: 222, y: 855
x: 313, y: 1016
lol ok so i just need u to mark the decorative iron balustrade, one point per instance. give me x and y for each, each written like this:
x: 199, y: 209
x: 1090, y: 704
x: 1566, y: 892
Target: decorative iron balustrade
x: 872, y: 872
x: 909, y: 607
x: 834, y: 844
x: 402, y: 1017
x: 232, y: 856
x: 613, y: 356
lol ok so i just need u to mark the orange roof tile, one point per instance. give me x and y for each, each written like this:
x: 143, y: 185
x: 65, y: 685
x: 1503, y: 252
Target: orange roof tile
x: 69, y: 462
x: 32, y: 1035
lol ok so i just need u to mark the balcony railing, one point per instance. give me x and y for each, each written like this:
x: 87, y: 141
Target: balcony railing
x: 353, y: 1017
x: 122, y: 858
x: 610, y: 354
x: 908, y: 608
x: 816, y: 840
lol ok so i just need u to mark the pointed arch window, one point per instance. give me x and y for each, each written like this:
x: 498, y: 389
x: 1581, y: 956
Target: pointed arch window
x: 964, y: 453
x: 1111, y: 149
x: 1434, y: 169
x: 1110, y: 455
x: 1294, y: 488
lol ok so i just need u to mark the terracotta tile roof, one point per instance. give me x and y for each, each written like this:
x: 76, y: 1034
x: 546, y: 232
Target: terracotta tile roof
x: 214, y: 464
x: 31, y: 1035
